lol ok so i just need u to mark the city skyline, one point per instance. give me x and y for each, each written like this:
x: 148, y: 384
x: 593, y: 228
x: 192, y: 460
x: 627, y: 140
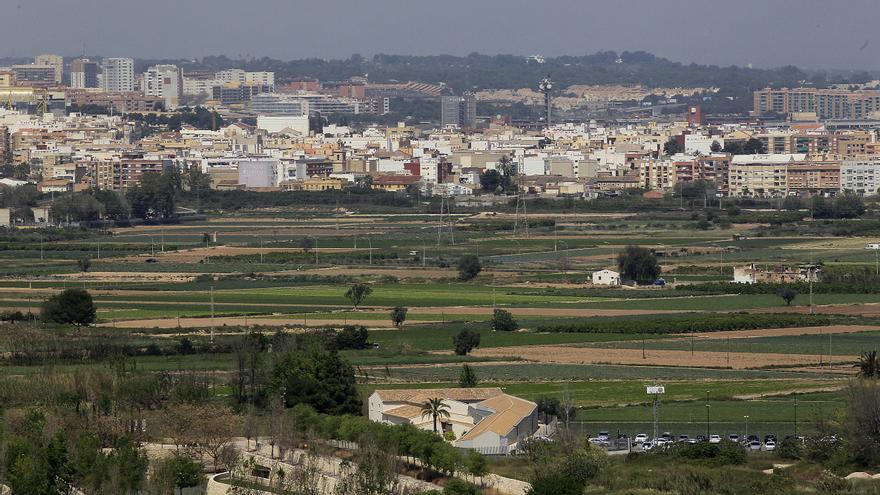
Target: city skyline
x: 751, y: 32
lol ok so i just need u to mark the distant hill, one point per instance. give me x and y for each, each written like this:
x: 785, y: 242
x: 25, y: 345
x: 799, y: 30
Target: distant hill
x: 477, y: 71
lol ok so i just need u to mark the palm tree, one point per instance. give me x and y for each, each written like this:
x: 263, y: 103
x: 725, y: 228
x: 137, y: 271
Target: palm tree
x: 435, y: 408
x: 868, y: 365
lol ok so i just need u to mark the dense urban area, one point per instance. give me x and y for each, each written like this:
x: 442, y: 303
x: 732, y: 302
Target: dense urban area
x: 498, y: 275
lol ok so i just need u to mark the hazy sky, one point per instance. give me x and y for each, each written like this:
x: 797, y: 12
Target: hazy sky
x: 808, y: 33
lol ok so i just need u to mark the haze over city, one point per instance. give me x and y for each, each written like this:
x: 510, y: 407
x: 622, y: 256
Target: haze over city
x: 806, y: 33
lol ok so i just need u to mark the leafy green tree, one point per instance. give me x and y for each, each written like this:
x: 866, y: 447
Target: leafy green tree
x: 491, y: 181
x: 436, y: 409
x: 398, y: 315
x: 178, y: 472
x: 469, y: 267
x: 71, y: 306
x: 503, y: 321
x: 115, y: 205
x: 465, y: 341
x: 357, y: 293
x: 153, y: 197
x: 317, y: 377
x: 672, y: 147
x: 848, y: 205
x: 715, y: 147
x: 476, y: 464
x: 352, y: 337
x: 754, y: 147
x: 787, y: 294
x: 467, y: 378
x: 638, y: 264
x: 77, y: 207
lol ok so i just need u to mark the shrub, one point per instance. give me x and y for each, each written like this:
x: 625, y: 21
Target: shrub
x: 503, y: 321
x: 469, y: 267
x: 790, y: 448
x: 465, y: 341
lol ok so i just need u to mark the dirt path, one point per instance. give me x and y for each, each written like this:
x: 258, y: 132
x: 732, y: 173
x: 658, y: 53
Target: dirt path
x: 779, y: 332
x: 219, y: 321
x: 584, y: 355
x: 857, y: 309
x: 487, y: 310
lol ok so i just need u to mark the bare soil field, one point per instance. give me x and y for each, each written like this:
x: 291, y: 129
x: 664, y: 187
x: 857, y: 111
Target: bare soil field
x: 417, y: 272
x: 583, y: 355
x: 196, y: 255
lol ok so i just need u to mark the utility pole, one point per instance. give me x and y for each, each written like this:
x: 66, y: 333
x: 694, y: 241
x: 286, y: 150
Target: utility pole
x: 41, y: 247
x: 795, y: 417
x: 212, y: 313
x: 707, y: 415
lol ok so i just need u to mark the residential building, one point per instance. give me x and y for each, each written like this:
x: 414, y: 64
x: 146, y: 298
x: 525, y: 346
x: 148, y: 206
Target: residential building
x: 83, y: 74
x: 458, y: 111
x: 237, y: 93
x: 165, y: 82
x: 762, y: 176
x: 606, y: 277
x: 34, y: 75
x: 117, y: 75
x: 122, y: 174
x: 273, y: 124
x: 813, y: 179
x: 482, y: 419
x: 56, y: 62
x: 860, y: 176
x: 824, y: 103
x: 258, y: 173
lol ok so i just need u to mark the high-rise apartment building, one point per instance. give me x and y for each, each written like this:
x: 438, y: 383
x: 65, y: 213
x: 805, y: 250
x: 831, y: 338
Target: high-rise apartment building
x: 118, y: 75
x: 54, y: 61
x: 459, y: 111
x: 825, y: 103
x: 83, y: 74
x: 166, y: 82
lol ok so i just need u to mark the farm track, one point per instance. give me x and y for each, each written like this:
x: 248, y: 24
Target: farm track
x: 563, y: 354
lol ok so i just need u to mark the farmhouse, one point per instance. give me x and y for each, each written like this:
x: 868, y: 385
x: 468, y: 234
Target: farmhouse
x: 606, y: 277
x: 483, y: 419
x: 781, y: 275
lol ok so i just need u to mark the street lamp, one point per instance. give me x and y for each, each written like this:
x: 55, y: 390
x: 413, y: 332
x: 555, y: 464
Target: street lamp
x: 747, y: 426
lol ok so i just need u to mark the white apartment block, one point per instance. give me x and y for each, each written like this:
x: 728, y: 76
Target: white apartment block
x: 860, y: 176
x: 166, y: 82
x: 118, y: 75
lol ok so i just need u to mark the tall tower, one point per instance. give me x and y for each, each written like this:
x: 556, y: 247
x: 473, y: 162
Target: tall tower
x: 546, y: 87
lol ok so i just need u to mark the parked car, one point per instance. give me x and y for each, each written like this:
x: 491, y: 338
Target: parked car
x: 769, y: 445
x: 700, y: 439
x: 683, y: 439
x: 603, y: 435
x: 714, y: 438
x: 733, y: 437
x: 753, y: 438
x: 641, y: 438
x: 754, y: 445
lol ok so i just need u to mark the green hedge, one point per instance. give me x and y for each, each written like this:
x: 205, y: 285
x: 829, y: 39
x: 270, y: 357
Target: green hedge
x: 714, y: 322
x: 855, y: 286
